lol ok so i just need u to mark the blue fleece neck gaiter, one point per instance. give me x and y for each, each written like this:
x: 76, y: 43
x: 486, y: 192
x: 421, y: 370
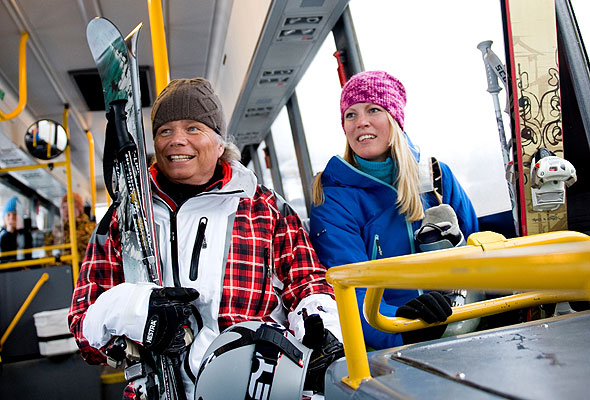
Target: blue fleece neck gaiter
x: 385, y: 171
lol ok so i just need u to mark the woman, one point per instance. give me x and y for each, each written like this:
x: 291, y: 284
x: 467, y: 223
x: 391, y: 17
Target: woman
x: 368, y: 204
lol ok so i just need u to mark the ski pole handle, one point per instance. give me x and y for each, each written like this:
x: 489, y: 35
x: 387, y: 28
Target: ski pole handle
x: 493, y: 86
x: 119, y: 116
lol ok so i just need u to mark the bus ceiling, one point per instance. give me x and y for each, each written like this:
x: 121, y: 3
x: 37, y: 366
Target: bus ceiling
x: 254, y: 53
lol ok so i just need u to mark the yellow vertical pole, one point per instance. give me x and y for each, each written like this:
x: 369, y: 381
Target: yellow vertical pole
x: 92, y: 178
x: 71, y: 215
x: 160, y: 53
x: 352, y: 335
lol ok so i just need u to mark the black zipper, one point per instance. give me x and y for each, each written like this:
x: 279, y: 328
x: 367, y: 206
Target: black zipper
x: 266, y: 273
x: 174, y: 248
x: 199, y: 244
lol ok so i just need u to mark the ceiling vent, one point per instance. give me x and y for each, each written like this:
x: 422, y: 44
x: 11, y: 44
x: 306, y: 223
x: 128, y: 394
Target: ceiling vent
x: 89, y: 85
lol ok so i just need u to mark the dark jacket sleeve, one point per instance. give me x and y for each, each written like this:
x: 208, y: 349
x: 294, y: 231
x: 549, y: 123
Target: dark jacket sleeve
x: 337, y: 239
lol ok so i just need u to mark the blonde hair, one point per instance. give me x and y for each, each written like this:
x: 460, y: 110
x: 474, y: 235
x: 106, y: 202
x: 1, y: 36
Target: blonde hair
x: 407, y: 180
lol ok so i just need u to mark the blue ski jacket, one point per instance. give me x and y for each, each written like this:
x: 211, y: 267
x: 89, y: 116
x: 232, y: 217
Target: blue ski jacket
x: 359, y: 221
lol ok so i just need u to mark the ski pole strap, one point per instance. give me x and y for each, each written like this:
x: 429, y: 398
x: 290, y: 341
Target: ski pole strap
x: 269, y: 344
x: 271, y: 335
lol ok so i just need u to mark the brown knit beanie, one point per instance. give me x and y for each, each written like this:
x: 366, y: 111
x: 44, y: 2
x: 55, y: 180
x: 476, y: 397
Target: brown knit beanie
x: 188, y: 99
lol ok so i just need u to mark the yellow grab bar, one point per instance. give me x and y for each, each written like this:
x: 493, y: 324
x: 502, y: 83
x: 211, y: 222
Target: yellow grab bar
x: 556, y: 260
x: 92, y: 178
x: 22, y: 79
x: 160, y: 53
x: 33, y: 166
x: 72, y: 215
x: 44, y: 278
x: 32, y: 249
x: 467, y: 311
x: 34, y: 261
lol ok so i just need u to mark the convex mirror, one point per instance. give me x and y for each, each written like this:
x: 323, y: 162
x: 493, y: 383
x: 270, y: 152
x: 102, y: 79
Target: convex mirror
x: 46, y: 139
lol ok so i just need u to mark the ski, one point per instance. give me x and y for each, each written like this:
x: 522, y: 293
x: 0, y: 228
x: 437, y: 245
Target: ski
x: 533, y: 80
x: 127, y: 180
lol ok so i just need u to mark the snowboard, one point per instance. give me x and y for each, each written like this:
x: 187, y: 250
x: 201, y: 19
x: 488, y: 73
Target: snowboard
x: 533, y: 71
x: 126, y: 171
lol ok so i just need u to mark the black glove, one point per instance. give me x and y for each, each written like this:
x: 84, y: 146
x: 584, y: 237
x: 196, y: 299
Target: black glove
x: 168, y: 314
x: 580, y: 305
x: 326, y: 349
x: 430, y: 307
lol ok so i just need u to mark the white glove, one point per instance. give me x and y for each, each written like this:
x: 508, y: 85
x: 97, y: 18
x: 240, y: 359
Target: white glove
x: 120, y: 311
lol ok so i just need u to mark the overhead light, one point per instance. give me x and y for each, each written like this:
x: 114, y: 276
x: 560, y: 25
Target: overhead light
x: 297, y: 34
x: 294, y: 20
x: 288, y: 32
x: 303, y: 20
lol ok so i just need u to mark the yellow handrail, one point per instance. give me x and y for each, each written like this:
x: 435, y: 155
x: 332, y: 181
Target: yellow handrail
x: 92, y: 179
x: 23, y: 308
x: 35, y: 261
x: 71, y: 214
x: 556, y: 260
x: 467, y: 311
x: 160, y: 53
x: 33, y: 166
x: 32, y: 249
x: 22, y: 79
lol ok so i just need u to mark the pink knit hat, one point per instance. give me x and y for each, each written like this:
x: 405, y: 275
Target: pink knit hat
x: 377, y: 87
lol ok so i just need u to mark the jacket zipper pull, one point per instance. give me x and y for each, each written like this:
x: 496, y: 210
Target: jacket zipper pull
x: 379, y: 249
x: 199, y: 244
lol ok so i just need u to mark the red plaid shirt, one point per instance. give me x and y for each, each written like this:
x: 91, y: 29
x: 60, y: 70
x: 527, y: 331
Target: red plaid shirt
x: 267, y: 239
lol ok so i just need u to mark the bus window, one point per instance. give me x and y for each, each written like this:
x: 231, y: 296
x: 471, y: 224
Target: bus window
x: 319, y: 100
x: 449, y: 114
x: 285, y: 150
x: 582, y: 12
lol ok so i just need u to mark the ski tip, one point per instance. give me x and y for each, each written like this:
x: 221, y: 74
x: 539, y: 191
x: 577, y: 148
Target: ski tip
x: 98, y: 24
x: 135, y: 30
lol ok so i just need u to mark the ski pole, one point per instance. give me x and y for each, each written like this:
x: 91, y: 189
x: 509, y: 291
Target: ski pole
x: 127, y: 156
x: 494, y: 88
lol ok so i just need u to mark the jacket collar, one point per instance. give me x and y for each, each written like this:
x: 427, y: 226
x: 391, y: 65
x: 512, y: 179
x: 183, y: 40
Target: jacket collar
x: 338, y: 172
x: 236, y: 180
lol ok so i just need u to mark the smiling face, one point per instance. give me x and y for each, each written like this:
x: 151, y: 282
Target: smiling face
x: 187, y: 151
x: 368, y: 131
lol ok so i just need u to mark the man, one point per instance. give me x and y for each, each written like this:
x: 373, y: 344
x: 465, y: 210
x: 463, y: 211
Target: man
x: 84, y: 226
x: 237, y: 249
x: 8, y: 233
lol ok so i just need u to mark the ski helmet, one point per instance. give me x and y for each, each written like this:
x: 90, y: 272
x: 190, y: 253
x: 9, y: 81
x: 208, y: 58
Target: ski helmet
x: 254, y: 360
